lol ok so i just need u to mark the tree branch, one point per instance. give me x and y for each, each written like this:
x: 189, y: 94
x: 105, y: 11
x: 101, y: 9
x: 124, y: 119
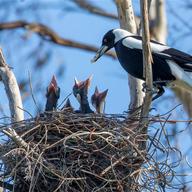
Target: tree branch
x: 12, y: 90
x: 15, y: 102
x: 84, y: 4
x: 147, y: 60
x: 49, y: 35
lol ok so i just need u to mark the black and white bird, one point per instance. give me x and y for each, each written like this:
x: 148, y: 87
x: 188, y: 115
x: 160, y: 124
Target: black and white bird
x: 98, y: 100
x: 169, y: 67
x: 80, y: 91
x: 53, y: 94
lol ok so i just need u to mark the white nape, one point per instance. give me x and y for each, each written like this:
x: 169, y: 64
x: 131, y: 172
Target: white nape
x: 120, y: 34
x: 134, y: 43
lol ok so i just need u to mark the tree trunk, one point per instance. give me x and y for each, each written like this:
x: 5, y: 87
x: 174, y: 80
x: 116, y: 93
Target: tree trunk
x: 127, y: 22
x: 159, y: 21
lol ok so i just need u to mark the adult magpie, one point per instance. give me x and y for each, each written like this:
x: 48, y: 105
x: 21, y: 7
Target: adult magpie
x: 169, y: 65
x: 80, y: 91
x: 98, y: 99
x: 53, y: 94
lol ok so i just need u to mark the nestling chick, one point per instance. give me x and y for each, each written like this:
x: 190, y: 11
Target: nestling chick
x: 53, y: 94
x: 98, y: 100
x: 80, y: 91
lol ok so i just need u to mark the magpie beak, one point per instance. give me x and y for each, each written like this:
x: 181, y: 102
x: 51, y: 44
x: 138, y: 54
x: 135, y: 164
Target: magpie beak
x: 99, y: 53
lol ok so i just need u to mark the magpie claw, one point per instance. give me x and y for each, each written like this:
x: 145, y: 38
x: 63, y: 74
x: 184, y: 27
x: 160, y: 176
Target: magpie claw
x: 145, y: 89
x: 157, y: 89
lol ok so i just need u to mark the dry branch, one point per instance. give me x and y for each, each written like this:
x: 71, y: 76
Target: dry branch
x: 84, y: 4
x: 147, y: 60
x: 12, y: 90
x: 49, y: 35
x: 15, y: 102
x: 90, y: 7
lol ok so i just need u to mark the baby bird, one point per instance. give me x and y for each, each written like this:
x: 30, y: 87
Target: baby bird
x: 53, y: 94
x: 67, y: 106
x: 98, y: 99
x: 80, y: 91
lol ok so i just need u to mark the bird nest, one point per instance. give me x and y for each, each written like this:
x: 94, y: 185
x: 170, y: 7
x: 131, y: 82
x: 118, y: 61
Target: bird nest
x: 75, y: 152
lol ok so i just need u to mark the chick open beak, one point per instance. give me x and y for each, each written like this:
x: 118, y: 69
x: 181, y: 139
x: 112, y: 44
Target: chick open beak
x: 53, y: 84
x: 99, y: 53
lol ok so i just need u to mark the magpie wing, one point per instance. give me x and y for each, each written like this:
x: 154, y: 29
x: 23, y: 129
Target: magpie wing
x: 184, y: 60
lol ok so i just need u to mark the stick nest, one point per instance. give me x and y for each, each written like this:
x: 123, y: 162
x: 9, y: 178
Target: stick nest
x: 74, y: 152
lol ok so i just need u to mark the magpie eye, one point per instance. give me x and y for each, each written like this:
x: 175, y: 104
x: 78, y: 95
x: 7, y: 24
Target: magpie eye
x: 105, y: 40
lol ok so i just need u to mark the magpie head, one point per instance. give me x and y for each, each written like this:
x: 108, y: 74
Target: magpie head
x: 98, y: 99
x: 80, y: 88
x: 53, y: 89
x: 109, y: 41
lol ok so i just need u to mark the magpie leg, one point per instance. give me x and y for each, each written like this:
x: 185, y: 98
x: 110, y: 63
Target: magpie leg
x: 157, y: 89
x: 146, y: 89
x: 159, y: 93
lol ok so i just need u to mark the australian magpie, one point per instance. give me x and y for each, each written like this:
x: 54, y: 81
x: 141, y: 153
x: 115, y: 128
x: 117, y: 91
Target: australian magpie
x: 98, y: 99
x: 53, y: 94
x: 169, y: 65
x: 80, y: 91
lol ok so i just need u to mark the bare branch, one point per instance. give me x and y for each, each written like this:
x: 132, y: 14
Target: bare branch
x: 84, y: 4
x: 49, y: 35
x: 14, y: 97
x: 12, y: 90
x: 147, y: 60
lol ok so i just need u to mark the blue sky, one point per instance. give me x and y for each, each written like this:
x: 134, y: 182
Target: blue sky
x: 83, y: 27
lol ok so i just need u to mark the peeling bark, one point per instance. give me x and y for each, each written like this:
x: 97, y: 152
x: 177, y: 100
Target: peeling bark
x: 15, y: 102
x: 12, y: 90
x: 127, y: 22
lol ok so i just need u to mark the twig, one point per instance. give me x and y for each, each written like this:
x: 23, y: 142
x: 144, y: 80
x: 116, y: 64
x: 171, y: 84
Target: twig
x: 31, y: 89
x: 48, y: 34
